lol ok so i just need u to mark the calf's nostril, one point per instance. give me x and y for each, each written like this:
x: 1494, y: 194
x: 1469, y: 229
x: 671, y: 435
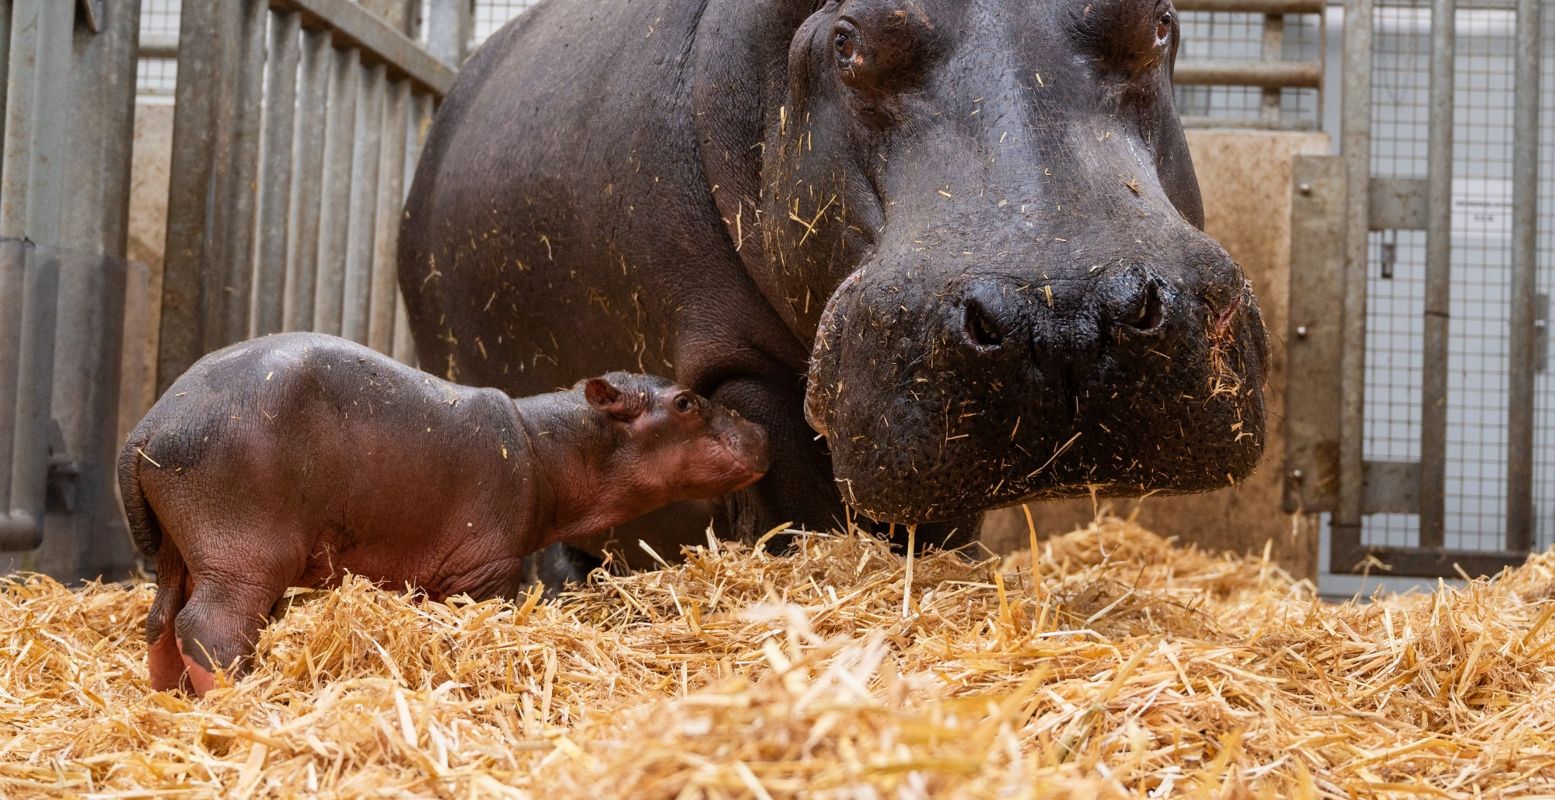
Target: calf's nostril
x: 978, y: 327
x: 1147, y: 312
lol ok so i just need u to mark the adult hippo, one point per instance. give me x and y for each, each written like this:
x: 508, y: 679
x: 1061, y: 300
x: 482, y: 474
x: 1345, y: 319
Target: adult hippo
x: 960, y: 238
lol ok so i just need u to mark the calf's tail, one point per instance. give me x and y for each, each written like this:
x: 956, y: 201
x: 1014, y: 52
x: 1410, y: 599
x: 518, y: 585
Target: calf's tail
x: 144, y: 529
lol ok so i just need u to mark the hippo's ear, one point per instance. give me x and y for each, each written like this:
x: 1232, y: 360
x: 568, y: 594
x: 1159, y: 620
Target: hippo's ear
x: 604, y: 396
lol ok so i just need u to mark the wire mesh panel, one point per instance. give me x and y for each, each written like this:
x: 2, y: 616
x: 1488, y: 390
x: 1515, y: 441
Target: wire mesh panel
x: 158, y: 22
x: 1240, y: 36
x: 493, y: 14
x: 1480, y: 309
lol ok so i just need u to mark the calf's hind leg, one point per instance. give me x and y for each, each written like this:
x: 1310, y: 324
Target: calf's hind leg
x: 219, y: 627
x: 163, y: 660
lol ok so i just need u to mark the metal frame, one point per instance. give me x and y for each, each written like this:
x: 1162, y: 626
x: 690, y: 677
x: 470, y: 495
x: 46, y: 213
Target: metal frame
x: 1271, y: 73
x: 1326, y: 468
x: 292, y: 154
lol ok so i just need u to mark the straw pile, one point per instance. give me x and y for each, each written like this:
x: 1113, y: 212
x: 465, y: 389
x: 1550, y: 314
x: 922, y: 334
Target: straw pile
x: 1129, y: 667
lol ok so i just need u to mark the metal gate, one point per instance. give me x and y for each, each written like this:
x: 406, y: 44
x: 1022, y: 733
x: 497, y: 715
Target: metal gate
x: 1420, y: 408
x: 64, y: 191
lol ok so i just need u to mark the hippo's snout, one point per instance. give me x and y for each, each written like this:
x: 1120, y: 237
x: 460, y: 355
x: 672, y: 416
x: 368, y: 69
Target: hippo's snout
x: 1143, y: 374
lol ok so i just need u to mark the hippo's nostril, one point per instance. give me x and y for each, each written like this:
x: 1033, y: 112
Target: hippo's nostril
x: 979, y: 328
x: 1148, y: 314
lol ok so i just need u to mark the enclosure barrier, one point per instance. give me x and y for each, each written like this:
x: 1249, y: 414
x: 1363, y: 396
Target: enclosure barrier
x: 64, y: 193
x: 296, y: 128
x: 1271, y: 73
x: 1338, y: 205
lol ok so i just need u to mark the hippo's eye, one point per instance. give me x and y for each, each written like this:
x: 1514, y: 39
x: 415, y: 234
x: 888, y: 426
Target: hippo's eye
x: 845, y: 44
x: 684, y: 403
x: 1163, y: 28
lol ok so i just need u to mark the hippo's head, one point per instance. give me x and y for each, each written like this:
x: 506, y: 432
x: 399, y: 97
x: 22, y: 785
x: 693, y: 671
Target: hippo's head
x: 1022, y: 304
x: 672, y: 444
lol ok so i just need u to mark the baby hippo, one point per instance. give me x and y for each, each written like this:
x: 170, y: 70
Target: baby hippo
x: 292, y: 459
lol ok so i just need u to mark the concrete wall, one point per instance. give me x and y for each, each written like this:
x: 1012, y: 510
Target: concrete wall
x: 1245, y: 179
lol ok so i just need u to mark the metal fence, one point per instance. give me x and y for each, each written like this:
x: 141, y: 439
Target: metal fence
x: 1442, y: 457
x: 64, y: 192
x: 295, y: 131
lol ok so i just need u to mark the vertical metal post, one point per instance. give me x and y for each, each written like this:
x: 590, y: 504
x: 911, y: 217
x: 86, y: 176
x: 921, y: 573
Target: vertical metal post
x: 238, y: 189
x: 1273, y: 47
x: 1355, y: 145
x: 335, y: 216
x: 450, y: 26
x: 302, y: 244
x: 1438, y: 279
x: 391, y: 198
x: 210, y: 214
x: 32, y: 172
x: 1525, y: 221
x: 276, y: 173
x: 363, y: 204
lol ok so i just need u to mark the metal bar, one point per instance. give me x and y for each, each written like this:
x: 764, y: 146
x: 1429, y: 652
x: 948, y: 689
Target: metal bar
x: 1525, y: 231
x: 1248, y: 123
x: 1438, y: 279
x: 187, y: 250
x: 404, y: 343
x: 1434, y: 562
x: 32, y: 168
x: 1273, y: 47
x: 302, y: 254
x: 158, y: 46
x: 1253, y: 6
x: 21, y: 527
x: 276, y: 173
x: 422, y: 107
x: 449, y: 25
x: 391, y: 198
x: 364, y: 204
x: 237, y: 184
x: 357, y: 28
x: 334, y: 215
x: 1355, y: 147
x: 1268, y: 74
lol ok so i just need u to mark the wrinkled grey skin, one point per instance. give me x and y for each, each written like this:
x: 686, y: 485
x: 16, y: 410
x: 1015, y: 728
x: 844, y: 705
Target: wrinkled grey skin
x: 973, y: 225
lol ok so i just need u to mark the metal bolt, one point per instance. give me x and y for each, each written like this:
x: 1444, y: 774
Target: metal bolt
x: 1295, y: 474
x: 1301, y: 331
x: 1305, y: 188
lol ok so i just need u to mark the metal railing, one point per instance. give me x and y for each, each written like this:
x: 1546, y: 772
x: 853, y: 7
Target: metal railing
x: 64, y: 196
x: 1270, y: 73
x: 296, y: 127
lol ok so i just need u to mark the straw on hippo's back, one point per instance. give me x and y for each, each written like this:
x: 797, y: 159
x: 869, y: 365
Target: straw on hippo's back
x: 290, y: 460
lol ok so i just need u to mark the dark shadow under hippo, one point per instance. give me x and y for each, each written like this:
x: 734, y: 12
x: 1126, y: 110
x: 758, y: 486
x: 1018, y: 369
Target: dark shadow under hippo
x: 960, y: 237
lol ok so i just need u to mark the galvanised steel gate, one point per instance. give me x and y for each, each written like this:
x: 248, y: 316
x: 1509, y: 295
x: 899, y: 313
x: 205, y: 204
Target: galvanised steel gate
x: 1420, y: 407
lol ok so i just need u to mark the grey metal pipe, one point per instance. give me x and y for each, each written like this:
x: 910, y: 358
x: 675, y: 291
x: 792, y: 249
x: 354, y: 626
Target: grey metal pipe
x: 1525, y: 229
x: 22, y: 526
x: 276, y: 173
x: 1438, y: 279
x: 1355, y: 145
x: 1267, y: 74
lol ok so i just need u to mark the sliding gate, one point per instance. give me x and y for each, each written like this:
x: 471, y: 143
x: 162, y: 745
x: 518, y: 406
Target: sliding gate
x: 1420, y: 408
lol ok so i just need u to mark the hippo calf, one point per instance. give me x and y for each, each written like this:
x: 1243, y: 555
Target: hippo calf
x: 293, y: 459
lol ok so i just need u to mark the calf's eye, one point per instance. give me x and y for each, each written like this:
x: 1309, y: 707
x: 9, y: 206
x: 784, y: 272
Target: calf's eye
x: 684, y: 403
x: 1163, y: 29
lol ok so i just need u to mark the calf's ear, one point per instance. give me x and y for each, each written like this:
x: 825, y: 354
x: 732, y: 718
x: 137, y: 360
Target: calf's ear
x: 605, y: 397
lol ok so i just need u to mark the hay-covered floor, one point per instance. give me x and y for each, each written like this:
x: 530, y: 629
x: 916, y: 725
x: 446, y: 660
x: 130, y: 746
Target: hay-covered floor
x: 1130, y: 667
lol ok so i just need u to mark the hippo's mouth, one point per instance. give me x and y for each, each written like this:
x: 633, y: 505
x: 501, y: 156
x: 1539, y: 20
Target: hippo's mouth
x: 923, y: 429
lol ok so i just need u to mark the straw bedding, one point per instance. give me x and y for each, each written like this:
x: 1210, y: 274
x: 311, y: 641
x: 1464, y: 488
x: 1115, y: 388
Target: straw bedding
x: 1130, y: 666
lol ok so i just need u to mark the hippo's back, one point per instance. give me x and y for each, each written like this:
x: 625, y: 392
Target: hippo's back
x: 559, y: 220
